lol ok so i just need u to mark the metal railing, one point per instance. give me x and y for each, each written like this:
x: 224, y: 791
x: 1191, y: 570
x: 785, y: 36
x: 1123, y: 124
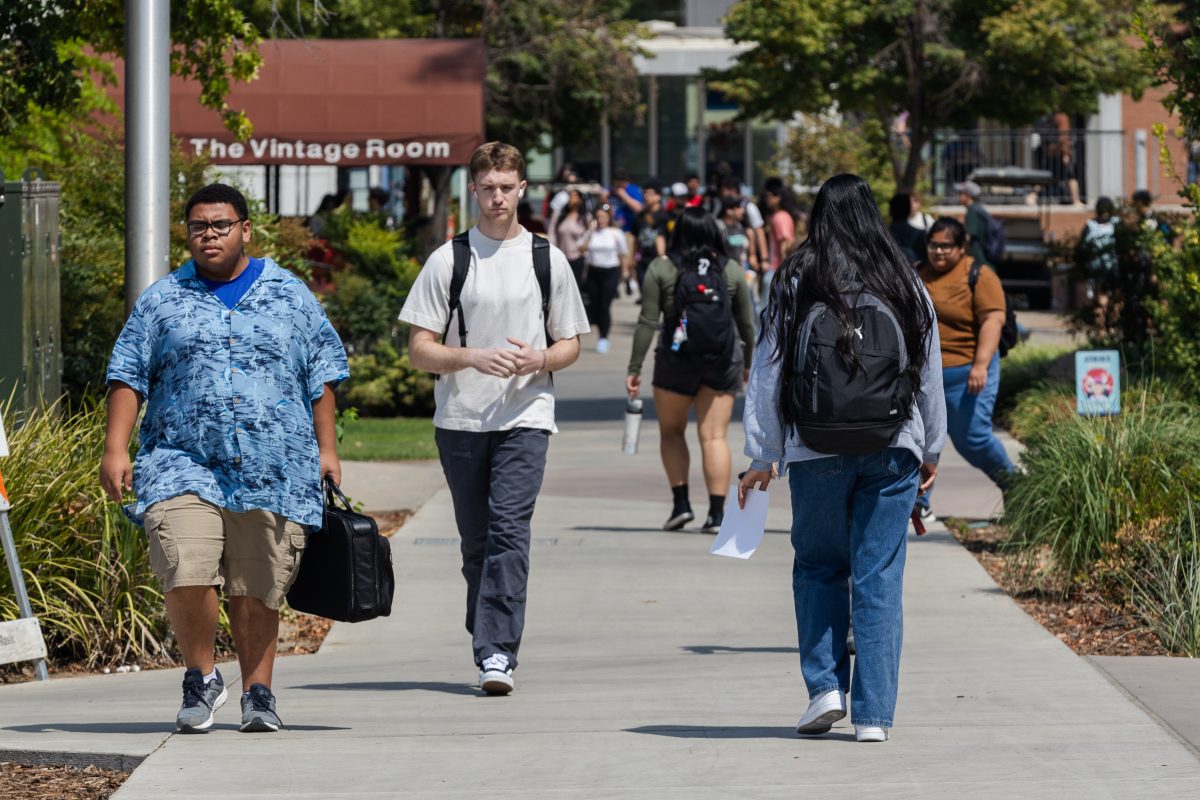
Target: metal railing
x: 1084, y: 164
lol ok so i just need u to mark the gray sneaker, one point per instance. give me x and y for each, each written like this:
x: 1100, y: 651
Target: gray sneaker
x: 200, y: 702
x: 258, y: 710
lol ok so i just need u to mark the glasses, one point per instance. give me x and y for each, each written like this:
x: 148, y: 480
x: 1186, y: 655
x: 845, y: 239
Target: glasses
x: 221, y: 227
x: 942, y: 247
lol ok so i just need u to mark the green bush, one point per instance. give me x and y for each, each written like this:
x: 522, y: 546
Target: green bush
x: 384, y: 383
x: 1024, y: 368
x: 1160, y: 570
x: 1084, y: 479
x: 1175, y: 316
x: 85, y: 565
x: 1039, y: 407
x: 368, y: 294
x: 362, y: 314
x: 1149, y: 305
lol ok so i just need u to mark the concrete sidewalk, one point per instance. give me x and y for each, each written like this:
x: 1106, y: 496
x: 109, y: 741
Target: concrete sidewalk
x: 649, y: 669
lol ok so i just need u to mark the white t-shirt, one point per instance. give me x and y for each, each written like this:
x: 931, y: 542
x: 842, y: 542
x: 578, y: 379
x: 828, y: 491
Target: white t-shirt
x: 605, y: 247
x: 500, y: 299
x: 754, y: 217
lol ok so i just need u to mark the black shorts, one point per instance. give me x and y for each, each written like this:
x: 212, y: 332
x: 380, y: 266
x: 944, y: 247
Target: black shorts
x: 682, y: 375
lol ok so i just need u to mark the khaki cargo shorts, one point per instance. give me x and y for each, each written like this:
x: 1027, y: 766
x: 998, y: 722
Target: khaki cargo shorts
x: 251, y: 553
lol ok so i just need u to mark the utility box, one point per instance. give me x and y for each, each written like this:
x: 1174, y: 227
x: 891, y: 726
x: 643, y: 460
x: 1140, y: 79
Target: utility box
x: 30, y: 342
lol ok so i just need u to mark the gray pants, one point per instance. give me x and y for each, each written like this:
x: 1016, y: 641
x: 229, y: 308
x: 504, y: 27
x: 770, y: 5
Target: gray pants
x: 494, y: 480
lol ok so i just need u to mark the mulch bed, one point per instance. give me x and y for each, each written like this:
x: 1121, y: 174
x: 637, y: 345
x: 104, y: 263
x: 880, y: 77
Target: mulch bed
x: 18, y: 782
x: 1084, y: 620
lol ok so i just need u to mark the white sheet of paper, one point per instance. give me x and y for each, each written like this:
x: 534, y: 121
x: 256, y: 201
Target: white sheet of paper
x: 742, y: 528
x: 3, y: 441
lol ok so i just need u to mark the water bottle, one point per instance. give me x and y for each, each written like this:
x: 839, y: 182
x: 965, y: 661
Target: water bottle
x: 633, y: 425
x: 680, y: 335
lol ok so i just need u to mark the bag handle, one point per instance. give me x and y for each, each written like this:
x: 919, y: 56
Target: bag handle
x: 333, y: 492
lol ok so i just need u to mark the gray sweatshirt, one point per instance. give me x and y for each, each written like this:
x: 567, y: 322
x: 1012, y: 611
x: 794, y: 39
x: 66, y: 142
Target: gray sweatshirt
x: 924, y: 434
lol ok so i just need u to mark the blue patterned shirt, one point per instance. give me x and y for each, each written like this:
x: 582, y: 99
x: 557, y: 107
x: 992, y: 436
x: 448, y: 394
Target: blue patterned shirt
x: 229, y: 392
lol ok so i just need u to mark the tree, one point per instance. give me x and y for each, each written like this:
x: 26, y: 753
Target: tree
x: 1172, y: 53
x: 948, y: 63
x: 47, y: 50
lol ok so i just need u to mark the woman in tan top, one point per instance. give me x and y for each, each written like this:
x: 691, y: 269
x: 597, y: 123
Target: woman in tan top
x: 700, y: 360
x: 969, y: 324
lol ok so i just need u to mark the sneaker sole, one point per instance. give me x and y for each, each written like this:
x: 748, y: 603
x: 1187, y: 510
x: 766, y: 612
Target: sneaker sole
x: 496, y: 684
x: 678, y: 521
x: 821, y: 724
x: 212, y: 715
x: 259, y: 725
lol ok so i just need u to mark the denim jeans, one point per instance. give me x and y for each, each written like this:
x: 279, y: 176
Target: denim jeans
x: 849, y: 531
x: 494, y: 479
x: 969, y: 423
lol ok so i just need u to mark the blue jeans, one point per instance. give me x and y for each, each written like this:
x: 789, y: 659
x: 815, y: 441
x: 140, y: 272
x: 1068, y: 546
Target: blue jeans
x: 849, y: 530
x: 969, y: 423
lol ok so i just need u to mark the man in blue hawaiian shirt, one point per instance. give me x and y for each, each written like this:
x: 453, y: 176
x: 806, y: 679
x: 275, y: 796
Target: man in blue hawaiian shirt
x: 237, y: 364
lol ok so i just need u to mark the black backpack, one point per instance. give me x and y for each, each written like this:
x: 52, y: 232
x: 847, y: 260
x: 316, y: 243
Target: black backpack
x: 461, y: 245
x: 841, y: 408
x: 705, y: 312
x: 1009, y: 335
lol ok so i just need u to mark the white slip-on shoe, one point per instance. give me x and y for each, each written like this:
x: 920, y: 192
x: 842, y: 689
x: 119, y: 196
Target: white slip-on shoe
x: 824, y: 710
x: 870, y: 733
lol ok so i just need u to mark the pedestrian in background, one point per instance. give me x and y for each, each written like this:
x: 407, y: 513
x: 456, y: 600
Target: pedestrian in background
x: 570, y: 230
x: 650, y: 233
x: 495, y: 397
x: 781, y: 230
x: 701, y: 359
x: 850, y: 512
x: 975, y: 224
x: 910, y: 240
x: 969, y: 325
x: 236, y: 364
x: 606, y: 253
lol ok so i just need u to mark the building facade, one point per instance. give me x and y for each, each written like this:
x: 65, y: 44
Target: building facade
x: 685, y: 127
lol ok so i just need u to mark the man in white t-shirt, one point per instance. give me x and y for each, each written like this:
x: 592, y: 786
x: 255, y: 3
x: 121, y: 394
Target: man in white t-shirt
x: 495, y: 398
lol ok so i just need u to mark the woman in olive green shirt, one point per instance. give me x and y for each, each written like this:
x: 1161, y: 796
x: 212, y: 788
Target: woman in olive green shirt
x: 682, y: 377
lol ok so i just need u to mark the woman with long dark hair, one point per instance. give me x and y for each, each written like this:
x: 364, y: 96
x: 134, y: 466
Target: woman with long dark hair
x: 569, y: 231
x: 704, y: 303
x: 837, y: 301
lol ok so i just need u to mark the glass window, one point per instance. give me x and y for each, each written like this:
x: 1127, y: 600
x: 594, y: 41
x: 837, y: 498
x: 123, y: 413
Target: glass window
x: 631, y: 143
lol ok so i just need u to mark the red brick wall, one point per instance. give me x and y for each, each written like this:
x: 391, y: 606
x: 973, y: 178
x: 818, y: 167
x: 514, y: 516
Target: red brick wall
x: 1144, y: 114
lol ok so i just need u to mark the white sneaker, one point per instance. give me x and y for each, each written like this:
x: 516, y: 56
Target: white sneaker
x: 824, y: 710
x: 602, y: 346
x: 495, y: 676
x: 870, y: 733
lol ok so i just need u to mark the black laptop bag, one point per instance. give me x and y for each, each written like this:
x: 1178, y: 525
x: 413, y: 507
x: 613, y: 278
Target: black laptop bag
x: 346, y: 571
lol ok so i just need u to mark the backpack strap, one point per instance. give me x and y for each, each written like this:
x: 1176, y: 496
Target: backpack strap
x: 461, y: 247
x: 973, y: 275
x: 541, y: 270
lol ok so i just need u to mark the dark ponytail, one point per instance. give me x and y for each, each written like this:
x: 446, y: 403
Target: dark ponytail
x: 697, y: 236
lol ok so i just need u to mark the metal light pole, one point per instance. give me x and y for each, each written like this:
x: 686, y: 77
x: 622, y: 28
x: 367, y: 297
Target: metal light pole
x: 147, y: 144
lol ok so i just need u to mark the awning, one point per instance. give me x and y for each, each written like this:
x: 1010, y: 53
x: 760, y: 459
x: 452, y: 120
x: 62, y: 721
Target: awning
x: 346, y: 102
